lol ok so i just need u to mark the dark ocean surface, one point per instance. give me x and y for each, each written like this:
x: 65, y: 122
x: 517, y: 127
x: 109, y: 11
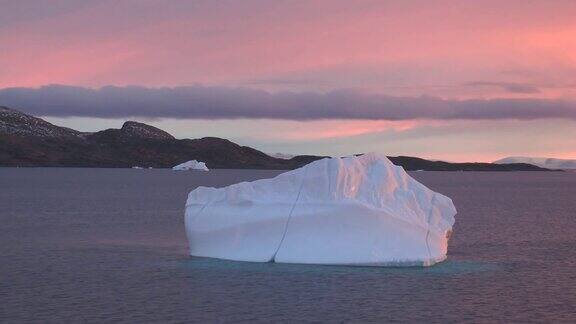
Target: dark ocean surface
x: 108, y: 245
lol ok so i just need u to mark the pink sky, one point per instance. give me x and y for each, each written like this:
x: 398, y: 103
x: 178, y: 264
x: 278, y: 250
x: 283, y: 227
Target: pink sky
x: 447, y: 49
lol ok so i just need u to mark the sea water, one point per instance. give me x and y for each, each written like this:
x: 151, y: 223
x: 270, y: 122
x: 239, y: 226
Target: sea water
x: 96, y: 245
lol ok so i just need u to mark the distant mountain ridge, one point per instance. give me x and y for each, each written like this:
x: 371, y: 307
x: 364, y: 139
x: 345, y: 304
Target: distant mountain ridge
x: 548, y: 163
x: 30, y: 141
x: 136, y: 129
x: 14, y: 122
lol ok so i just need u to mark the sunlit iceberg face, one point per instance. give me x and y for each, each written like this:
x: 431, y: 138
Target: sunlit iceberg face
x: 343, y: 211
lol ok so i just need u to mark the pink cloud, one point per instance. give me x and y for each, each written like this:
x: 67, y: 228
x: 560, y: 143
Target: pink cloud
x: 342, y: 128
x: 404, y: 48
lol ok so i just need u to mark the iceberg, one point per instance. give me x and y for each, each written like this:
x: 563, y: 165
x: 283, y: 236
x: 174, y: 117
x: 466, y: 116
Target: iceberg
x: 191, y: 165
x: 358, y: 210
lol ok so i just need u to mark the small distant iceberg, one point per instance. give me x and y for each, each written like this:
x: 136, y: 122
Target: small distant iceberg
x: 191, y: 165
x: 358, y: 210
x: 137, y: 167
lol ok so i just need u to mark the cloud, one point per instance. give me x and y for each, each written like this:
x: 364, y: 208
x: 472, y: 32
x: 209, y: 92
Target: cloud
x: 200, y: 102
x: 507, y: 86
x: 282, y: 81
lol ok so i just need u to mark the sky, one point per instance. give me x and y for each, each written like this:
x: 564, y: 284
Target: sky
x: 451, y: 80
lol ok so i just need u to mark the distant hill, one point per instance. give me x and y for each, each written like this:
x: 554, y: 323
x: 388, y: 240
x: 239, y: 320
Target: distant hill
x: 14, y: 122
x: 30, y: 141
x: 549, y: 163
x: 414, y: 164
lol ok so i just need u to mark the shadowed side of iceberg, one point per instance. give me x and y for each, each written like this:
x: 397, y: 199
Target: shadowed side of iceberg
x: 242, y: 222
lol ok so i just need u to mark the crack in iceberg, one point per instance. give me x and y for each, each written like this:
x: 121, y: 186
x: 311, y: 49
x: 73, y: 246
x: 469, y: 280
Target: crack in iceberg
x: 428, y: 227
x: 290, y: 215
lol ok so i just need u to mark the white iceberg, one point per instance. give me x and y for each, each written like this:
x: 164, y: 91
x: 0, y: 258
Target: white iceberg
x: 191, y: 165
x: 343, y: 211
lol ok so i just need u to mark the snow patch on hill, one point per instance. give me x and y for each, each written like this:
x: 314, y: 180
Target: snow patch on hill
x: 548, y: 163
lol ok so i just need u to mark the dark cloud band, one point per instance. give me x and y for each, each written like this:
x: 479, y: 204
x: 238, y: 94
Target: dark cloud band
x: 221, y: 102
x: 507, y: 86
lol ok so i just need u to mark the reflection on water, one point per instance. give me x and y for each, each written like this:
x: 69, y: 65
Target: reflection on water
x: 109, y: 245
